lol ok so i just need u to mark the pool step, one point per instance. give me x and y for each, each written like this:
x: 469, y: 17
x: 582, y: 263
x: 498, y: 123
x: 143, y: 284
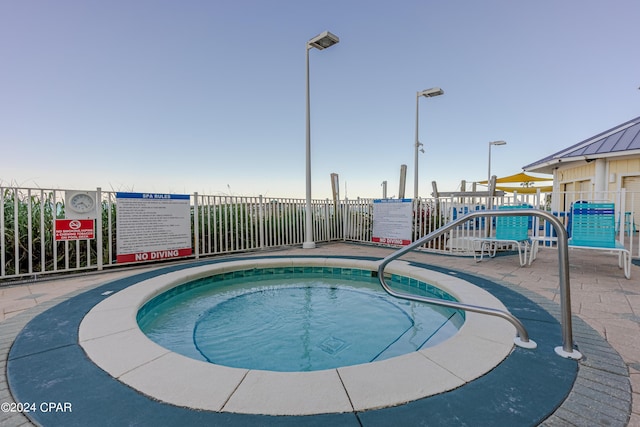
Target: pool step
x: 431, y: 333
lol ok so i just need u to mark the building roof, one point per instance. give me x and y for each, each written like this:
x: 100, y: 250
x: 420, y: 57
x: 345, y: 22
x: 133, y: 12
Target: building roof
x: 621, y: 140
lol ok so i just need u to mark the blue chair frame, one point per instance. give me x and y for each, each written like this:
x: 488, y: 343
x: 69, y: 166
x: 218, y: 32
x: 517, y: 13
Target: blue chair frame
x: 510, y: 230
x: 593, y: 227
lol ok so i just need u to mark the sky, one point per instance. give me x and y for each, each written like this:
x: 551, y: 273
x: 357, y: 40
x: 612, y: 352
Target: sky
x: 209, y: 96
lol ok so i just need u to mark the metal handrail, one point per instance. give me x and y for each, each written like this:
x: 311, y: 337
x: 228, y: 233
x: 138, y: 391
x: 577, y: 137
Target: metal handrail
x: 522, y: 340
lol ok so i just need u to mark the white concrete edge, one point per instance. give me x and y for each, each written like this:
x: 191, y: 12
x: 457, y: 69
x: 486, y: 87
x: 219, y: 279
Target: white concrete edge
x: 142, y: 364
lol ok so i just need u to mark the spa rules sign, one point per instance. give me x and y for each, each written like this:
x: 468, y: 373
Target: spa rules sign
x: 392, y: 221
x: 152, y: 226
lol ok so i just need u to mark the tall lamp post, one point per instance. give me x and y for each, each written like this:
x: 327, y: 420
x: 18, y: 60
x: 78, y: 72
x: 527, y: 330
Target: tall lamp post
x: 489, y: 189
x: 320, y: 42
x: 428, y: 93
x: 491, y: 144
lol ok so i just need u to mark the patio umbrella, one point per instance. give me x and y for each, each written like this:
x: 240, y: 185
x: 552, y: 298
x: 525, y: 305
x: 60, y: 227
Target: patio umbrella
x: 519, y: 178
x: 522, y: 178
x: 526, y: 190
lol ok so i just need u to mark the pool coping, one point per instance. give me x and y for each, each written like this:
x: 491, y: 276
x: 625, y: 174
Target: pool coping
x: 172, y: 378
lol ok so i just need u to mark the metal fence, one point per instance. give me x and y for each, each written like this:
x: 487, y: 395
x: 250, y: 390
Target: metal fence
x: 219, y: 224
x: 231, y: 224
x: 463, y: 238
x: 227, y: 224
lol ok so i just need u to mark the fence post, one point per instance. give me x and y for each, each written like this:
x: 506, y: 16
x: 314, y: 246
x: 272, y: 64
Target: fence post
x: 16, y: 232
x: 196, y: 225
x: 621, y: 204
x: 261, y: 221
x: 345, y: 219
x: 30, y: 231
x: 327, y: 228
x: 42, y: 241
x: 99, y: 240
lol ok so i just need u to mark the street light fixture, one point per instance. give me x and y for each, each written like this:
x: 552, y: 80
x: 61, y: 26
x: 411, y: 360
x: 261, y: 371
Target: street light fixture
x: 323, y: 41
x: 489, y: 168
x: 427, y: 93
x: 320, y: 42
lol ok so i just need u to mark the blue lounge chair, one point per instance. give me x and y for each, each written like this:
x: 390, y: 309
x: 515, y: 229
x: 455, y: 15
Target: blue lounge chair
x: 594, y: 227
x: 510, y: 231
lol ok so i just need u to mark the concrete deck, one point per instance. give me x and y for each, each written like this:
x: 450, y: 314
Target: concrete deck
x: 601, y: 297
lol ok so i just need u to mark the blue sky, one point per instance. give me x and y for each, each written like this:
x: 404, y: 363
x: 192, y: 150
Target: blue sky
x: 209, y: 96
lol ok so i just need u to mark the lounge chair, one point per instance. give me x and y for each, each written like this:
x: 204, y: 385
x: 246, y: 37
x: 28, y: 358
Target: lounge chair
x: 593, y: 227
x: 510, y: 231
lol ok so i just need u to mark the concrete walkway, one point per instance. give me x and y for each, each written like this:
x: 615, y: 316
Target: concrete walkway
x: 601, y: 297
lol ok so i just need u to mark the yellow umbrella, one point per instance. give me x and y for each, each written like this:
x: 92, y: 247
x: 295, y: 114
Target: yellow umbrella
x: 519, y: 177
x: 525, y: 190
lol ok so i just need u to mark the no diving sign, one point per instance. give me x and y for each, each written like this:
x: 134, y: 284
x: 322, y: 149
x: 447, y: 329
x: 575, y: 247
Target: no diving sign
x: 74, y: 229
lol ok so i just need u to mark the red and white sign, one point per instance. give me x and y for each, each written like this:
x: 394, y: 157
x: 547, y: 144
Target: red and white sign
x: 392, y: 221
x: 74, y: 229
x: 390, y: 241
x: 152, y: 227
x: 154, y: 255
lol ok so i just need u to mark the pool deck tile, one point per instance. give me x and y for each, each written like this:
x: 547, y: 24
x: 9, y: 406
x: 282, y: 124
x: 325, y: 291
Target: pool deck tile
x: 199, y: 385
x: 105, y: 322
x: 462, y: 356
x: 289, y: 393
x: 399, y: 379
x: 106, y: 351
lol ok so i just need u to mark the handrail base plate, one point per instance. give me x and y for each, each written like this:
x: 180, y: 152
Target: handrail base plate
x: 531, y: 344
x: 575, y: 354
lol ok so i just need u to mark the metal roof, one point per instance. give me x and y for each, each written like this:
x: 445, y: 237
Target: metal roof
x: 621, y: 140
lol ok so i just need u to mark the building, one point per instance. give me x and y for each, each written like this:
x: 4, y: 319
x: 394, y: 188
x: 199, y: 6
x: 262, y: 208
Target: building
x: 599, y: 168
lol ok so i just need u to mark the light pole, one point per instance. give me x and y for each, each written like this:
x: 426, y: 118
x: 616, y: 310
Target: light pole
x: 489, y: 168
x: 489, y: 189
x: 427, y: 93
x: 321, y: 41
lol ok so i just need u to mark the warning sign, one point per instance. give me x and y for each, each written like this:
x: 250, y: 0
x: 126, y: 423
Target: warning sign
x: 392, y: 221
x: 152, y: 226
x: 74, y: 229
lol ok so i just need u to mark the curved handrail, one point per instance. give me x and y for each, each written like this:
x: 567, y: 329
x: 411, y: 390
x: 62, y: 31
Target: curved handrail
x: 522, y: 340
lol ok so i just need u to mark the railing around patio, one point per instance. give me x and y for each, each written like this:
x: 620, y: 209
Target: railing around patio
x: 225, y: 224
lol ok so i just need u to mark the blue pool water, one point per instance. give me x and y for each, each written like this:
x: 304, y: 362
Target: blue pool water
x: 280, y: 320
